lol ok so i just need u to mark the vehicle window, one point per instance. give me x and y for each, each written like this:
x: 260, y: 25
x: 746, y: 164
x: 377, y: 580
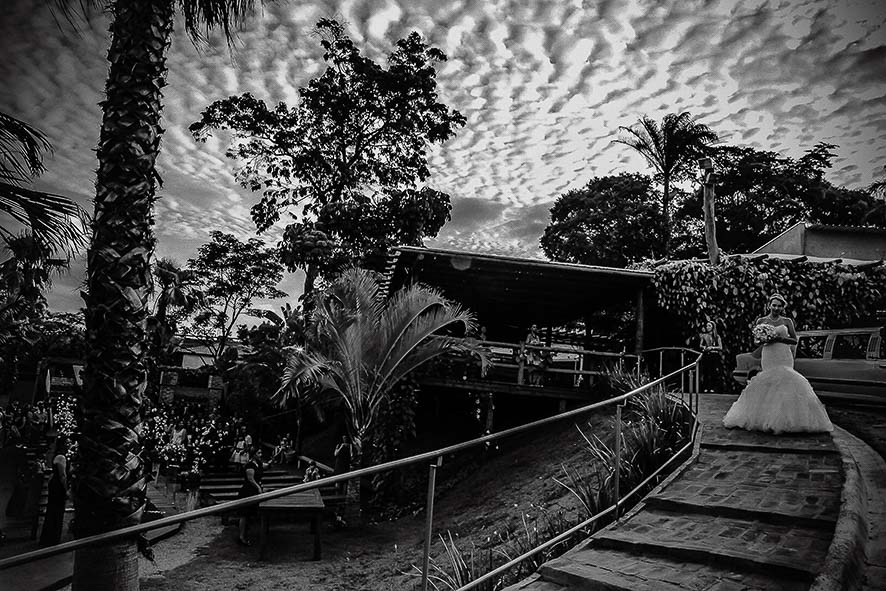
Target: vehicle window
x: 811, y: 347
x: 850, y: 346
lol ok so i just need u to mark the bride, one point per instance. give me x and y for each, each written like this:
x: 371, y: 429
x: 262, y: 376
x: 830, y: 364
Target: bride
x: 778, y: 399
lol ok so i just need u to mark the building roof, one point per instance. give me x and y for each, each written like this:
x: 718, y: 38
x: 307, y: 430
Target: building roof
x: 508, y: 291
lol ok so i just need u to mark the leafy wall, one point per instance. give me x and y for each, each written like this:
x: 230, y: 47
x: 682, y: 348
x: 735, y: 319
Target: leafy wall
x: 734, y: 293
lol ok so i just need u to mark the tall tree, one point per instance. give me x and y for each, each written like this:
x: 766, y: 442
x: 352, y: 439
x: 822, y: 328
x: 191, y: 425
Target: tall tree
x: 55, y: 221
x: 612, y: 220
x: 348, y: 159
x: 762, y: 193
x: 109, y: 490
x: 230, y: 275
x: 671, y: 149
x: 361, y: 346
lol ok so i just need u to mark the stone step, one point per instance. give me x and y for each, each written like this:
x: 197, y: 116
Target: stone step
x: 791, y: 551
x: 778, y: 487
x: 599, y: 569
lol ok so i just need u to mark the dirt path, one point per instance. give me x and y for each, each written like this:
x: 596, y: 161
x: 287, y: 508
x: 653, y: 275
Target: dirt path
x: 478, y: 504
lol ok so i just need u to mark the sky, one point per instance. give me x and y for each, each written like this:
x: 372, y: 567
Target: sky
x: 544, y: 86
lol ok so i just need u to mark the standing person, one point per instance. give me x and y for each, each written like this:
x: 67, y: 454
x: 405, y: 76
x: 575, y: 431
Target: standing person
x: 342, y: 461
x: 711, y: 346
x: 778, y: 399
x: 533, y: 356
x: 252, y: 476
x: 58, y: 495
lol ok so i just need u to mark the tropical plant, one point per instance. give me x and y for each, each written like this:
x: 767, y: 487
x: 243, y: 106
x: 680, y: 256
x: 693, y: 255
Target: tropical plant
x: 55, y: 221
x: 459, y: 568
x: 361, y: 346
x: 657, y: 426
x: 670, y: 149
x: 26, y: 271
x: 349, y: 159
x: 109, y: 489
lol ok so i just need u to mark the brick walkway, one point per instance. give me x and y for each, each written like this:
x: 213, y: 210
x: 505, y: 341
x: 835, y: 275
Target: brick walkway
x: 753, y: 511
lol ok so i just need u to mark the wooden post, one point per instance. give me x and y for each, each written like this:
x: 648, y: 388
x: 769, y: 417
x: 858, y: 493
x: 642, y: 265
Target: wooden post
x: 710, y: 224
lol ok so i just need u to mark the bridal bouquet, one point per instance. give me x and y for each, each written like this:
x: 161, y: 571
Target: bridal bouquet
x: 764, y: 334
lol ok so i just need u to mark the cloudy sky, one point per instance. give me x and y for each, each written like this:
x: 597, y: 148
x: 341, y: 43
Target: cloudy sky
x: 544, y: 86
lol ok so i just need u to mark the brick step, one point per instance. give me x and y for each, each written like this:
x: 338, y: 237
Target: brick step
x: 777, y: 487
x: 791, y: 551
x: 593, y: 569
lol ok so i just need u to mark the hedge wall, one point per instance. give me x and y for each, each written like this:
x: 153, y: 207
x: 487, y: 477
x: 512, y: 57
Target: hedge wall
x: 733, y: 294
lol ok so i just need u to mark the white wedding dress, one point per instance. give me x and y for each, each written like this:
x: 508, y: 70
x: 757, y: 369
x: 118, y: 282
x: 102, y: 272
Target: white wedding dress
x: 778, y: 399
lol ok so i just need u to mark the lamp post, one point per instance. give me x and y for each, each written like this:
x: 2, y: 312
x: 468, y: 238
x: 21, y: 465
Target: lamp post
x: 710, y: 227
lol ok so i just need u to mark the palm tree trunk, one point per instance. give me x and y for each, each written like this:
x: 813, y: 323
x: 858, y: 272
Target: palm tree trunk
x: 109, y: 490
x: 666, y: 214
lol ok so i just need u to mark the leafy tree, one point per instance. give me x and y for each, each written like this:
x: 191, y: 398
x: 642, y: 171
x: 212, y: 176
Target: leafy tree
x: 177, y: 295
x: 761, y: 193
x: 109, y: 491
x: 671, y: 149
x: 360, y: 347
x: 55, y: 221
x: 613, y: 221
x: 230, y: 274
x: 348, y: 159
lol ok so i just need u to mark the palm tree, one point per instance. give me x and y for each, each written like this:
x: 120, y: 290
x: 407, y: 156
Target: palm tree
x: 54, y: 220
x: 109, y: 491
x: 362, y: 346
x: 669, y: 149
x: 177, y: 294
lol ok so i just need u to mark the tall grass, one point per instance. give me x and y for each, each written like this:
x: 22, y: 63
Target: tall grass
x: 656, y: 425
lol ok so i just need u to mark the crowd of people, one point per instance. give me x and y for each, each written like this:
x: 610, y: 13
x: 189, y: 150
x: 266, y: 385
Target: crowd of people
x: 193, y: 435
x: 22, y: 423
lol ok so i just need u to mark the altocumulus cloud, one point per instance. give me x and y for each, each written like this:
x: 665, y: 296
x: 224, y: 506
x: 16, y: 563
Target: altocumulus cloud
x: 544, y: 86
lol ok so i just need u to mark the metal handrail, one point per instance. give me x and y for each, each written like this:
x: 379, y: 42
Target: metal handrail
x: 587, y: 522
x: 135, y: 530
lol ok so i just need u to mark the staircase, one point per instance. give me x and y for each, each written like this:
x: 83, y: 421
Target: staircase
x: 220, y: 486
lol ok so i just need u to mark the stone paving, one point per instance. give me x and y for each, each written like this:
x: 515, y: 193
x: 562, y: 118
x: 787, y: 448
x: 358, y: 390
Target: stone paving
x: 752, y: 511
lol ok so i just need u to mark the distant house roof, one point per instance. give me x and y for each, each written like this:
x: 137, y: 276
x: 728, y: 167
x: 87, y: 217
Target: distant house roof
x: 508, y: 291
x: 859, y: 244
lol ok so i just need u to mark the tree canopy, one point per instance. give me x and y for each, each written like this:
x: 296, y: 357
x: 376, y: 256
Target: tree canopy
x: 231, y: 274
x: 611, y: 221
x: 347, y: 161
x: 761, y: 193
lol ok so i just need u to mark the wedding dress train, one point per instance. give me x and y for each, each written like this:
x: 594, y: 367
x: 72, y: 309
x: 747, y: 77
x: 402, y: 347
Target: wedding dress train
x: 778, y: 399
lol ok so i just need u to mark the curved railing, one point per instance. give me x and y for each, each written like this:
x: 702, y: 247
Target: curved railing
x: 436, y: 455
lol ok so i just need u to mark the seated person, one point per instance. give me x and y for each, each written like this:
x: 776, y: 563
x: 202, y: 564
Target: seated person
x: 312, y: 473
x: 280, y: 451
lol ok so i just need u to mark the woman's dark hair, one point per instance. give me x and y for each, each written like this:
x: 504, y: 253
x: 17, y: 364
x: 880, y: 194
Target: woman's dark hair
x: 61, y: 444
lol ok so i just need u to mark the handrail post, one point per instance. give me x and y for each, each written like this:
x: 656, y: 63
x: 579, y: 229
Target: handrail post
x: 683, y: 364
x: 429, y: 521
x: 618, y: 408
x: 697, y: 378
x: 660, y: 363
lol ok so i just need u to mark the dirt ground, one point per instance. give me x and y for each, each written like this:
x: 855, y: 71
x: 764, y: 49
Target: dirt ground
x: 477, y: 502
